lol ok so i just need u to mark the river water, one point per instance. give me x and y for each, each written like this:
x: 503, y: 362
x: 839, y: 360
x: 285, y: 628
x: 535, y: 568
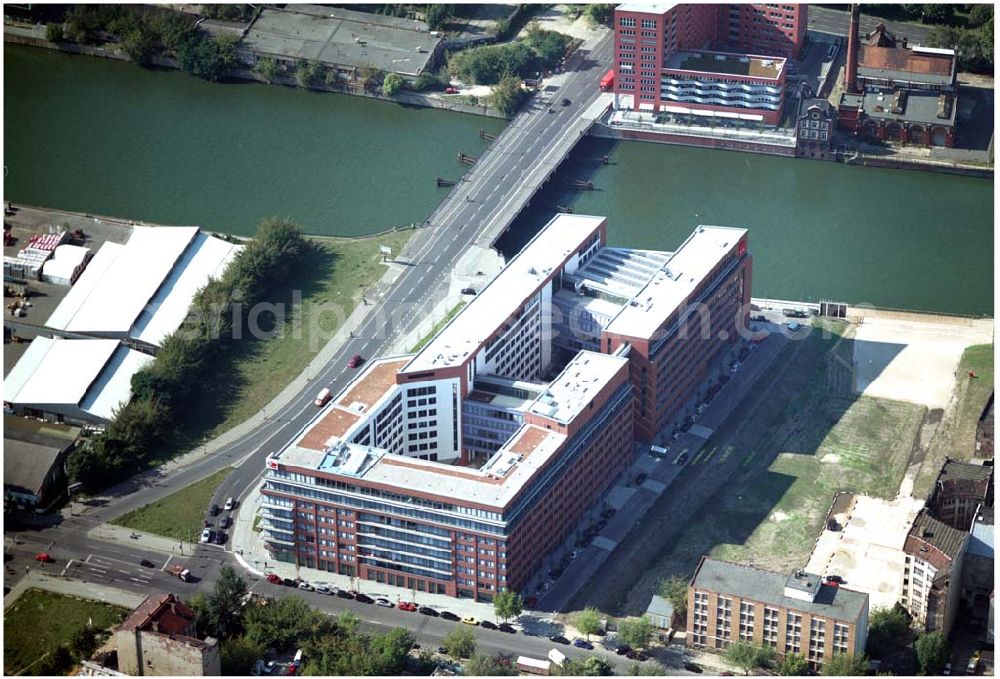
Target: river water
x: 106, y: 137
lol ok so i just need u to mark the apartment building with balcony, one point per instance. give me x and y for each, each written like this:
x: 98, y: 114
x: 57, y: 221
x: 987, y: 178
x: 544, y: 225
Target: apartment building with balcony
x: 455, y: 470
x: 794, y: 614
x: 698, y: 62
x: 932, y: 574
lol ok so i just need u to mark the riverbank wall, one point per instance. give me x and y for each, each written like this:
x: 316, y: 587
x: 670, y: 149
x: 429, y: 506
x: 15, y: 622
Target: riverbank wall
x: 897, y: 163
x: 679, y: 139
x: 18, y: 35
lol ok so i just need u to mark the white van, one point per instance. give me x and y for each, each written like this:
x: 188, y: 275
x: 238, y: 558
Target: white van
x: 322, y: 397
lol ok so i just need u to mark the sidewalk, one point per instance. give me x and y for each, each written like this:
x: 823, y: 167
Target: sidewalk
x: 72, y: 587
x: 108, y: 532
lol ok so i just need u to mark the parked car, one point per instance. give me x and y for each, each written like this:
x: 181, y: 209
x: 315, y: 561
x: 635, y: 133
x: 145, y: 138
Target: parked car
x: 691, y: 667
x: 575, y: 553
x: 363, y: 598
x: 448, y: 615
x: 622, y: 650
x: 355, y: 361
x: 424, y: 610
x: 835, y: 578
x: 305, y: 586
x: 288, y: 582
x: 468, y: 291
x: 219, y: 538
x: 206, y: 536
x: 582, y: 643
x: 469, y: 620
x: 384, y: 603
x: 506, y: 627
x: 442, y: 650
x: 406, y: 606
x: 559, y: 639
x: 146, y: 563
x: 344, y: 594
x: 225, y: 522
x: 451, y: 90
x: 273, y: 579
x: 230, y: 504
x: 640, y: 479
x: 323, y: 397
x: 214, y: 510
x: 322, y: 589
x: 565, y: 102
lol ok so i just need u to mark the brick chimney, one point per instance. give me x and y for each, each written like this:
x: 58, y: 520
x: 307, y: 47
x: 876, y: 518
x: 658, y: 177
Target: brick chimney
x: 851, y: 67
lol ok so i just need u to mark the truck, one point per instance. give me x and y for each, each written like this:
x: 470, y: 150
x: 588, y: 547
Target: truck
x: 178, y: 571
x: 533, y: 665
x: 608, y: 81
x: 557, y: 657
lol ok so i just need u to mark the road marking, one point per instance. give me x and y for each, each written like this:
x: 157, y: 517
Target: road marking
x: 68, y: 564
x: 123, y: 571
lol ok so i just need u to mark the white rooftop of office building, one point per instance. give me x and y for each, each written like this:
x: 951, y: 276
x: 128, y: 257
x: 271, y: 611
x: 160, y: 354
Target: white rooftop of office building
x: 648, y: 7
x: 93, y: 375
x: 678, y: 278
x: 496, y: 302
x: 161, y: 265
x: 577, y: 385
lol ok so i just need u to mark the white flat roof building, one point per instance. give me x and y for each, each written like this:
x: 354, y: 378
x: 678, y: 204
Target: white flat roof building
x: 82, y: 380
x: 142, y: 289
x: 480, y: 319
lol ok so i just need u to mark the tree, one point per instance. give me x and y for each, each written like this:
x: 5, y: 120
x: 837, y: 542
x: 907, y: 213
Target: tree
x: 748, y: 657
x: 794, y: 665
x: 83, y: 642
x: 591, y: 666
x: 208, y: 57
x: 278, y: 624
x: 598, y: 14
x: 54, y: 32
x: 507, y: 95
x: 507, y: 605
x: 636, y: 669
x: 370, y: 76
x: 348, y: 622
x: 437, y: 15
x: 675, y: 590
x: 392, y: 84
x: 237, y: 656
x: 140, y: 46
x: 635, y: 632
x: 460, y: 643
x: 331, y: 77
x: 932, y: 652
x: 588, y: 621
x: 937, y: 14
x: 888, y: 630
x: 389, y: 651
x: 225, y: 605
x: 307, y: 73
x: 499, y: 665
x: 980, y: 14
x: 843, y: 665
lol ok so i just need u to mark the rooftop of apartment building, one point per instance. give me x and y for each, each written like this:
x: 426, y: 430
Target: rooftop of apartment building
x: 768, y: 587
x: 728, y: 64
x: 930, y: 108
x: 957, y: 470
x: 674, y: 283
x: 647, y: 7
x: 494, y: 484
x: 480, y: 319
x: 981, y: 535
x: 335, y: 35
x: 940, y: 535
x: 161, y: 613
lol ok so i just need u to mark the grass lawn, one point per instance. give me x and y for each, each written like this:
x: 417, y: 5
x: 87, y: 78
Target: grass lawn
x: 38, y: 621
x: 329, y: 283
x: 956, y: 435
x: 179, y: 515
x: 437, y: 328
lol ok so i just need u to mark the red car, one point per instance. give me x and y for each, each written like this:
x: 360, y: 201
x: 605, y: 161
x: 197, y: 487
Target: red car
x: 451, y: 90
x: 273, y: 579
x: 406, y: 606
x: 355, y: 361
x: 44, y: 557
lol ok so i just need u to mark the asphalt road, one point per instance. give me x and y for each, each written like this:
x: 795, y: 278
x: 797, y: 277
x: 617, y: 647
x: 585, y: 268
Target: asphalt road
x: 461, y: 220
x: 836, y: 22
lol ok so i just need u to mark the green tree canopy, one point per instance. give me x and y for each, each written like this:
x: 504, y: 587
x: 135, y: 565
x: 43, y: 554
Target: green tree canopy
x: 225, y: 606
x: 54, y: 32
x: 437, y: 15
x: 932, y: 653
x: 392, y: 84
x: 888, y: 631
x: 238, y: 655
x: 460, y: 643
x: 599, y: 13
x: 507, y: 604
x: 591, y: 666
x: 749, y: 657
x: 278, y: 624
x: 675, y: 590
x: 588, y: 621
x: 635, y: 632
x: 843, y: 665
x: 507, y: 95
x: 794, y: 665
x: 499, y: 665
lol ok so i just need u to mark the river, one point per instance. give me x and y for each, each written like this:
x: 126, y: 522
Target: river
x: 106, y: 137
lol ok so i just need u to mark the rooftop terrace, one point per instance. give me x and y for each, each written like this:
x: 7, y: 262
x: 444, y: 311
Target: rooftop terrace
x: 728, y: 64
x: 577, y: 385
